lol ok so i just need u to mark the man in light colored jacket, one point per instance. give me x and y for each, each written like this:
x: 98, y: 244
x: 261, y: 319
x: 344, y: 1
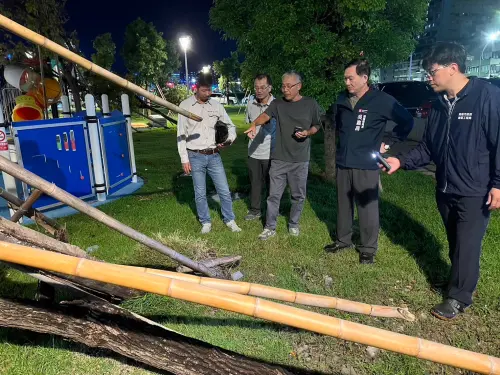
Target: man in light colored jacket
x: 199, y: 152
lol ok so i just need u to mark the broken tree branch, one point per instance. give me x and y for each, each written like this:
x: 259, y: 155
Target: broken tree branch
x: 211, y: 263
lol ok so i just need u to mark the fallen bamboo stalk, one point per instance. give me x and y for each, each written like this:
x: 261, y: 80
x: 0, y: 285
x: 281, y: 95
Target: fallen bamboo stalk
x: 90, y: 287
x: 42, y: 41
x: 63, y: 196
x: 256, y: 290
x: 39, y: 239
x: 256, y: 307
x: 26, y: 206
x: 285, y: 295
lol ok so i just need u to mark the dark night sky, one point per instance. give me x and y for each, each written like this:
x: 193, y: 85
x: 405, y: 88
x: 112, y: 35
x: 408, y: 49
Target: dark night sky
x: 170, y: 17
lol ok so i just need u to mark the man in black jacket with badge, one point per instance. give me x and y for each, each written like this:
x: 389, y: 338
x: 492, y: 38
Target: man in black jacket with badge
x: 462, y: 138
x: 361, y: 115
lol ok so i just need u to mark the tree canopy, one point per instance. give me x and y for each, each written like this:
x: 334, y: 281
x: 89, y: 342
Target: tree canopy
x: 317, y: 37
x: 147, y: 55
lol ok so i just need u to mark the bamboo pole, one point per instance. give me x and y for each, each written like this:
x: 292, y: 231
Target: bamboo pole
x: 26, y: 206
x: 251, y: 306
x: 11, y: 198
x: 42, y: 41
x: 256, y: 290
x: 63, y: 196
x: 284, y: 295
x: 39, y: 239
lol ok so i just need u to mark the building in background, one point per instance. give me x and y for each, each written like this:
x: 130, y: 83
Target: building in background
x: 473, y: 23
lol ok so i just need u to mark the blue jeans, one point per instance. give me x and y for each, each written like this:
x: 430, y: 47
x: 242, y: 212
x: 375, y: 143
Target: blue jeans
x: 200, y: 165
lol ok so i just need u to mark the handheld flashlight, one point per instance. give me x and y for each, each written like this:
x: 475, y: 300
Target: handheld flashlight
x: 381, y: 159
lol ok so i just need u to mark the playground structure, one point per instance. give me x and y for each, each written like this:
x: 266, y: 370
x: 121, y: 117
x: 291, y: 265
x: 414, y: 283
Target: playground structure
x: 100, y: 148
x: 87, y: 155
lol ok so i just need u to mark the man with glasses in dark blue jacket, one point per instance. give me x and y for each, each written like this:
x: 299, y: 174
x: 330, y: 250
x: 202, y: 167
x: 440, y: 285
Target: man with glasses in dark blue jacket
x: 462, y: 139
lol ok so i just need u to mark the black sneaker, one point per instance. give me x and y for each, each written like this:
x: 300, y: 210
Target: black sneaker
x: 448, y: 309
x: 337, y: 247
x: 366, y: 258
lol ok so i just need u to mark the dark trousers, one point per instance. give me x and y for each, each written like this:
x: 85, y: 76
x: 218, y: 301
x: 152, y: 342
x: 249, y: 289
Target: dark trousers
x: 465, y: 220
x: 258, y: 171
x: 360, y: 187
x: 281, y: 173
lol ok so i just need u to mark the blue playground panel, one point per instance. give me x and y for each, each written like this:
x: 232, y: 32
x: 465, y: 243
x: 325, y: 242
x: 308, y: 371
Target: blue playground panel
x: 116, y: 152
x: 58, y: 151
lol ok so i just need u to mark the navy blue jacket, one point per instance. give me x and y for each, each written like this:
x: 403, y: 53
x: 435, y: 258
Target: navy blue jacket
x: 361, y: 128
x: 462, y: 139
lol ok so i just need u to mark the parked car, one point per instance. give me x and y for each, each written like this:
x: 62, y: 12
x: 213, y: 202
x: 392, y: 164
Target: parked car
x: 222, y: 98
x: 415, y: 96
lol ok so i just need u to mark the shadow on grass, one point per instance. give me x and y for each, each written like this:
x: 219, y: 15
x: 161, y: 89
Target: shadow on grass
x: 395, y: 222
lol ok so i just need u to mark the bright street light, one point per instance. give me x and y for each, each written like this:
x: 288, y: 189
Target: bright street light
x: 494, y: 36
x: 185, y: 43
x: 206, y: 69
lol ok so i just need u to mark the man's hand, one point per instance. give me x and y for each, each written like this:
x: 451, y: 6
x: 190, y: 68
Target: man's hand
x: 383, y: 148
x: 225, y: 144
x: 393, y: 162
x: 186, y: 167
x: 493, y: 199
x: 252, y: 130
x: 302, y: 134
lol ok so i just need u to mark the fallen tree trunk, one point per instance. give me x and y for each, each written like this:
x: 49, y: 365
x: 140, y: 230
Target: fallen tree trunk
x: 101, y: 325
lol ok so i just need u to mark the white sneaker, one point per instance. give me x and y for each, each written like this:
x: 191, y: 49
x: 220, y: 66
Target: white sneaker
x: 267, y: 234
x: 206, y: 228
x: 294, y: 232
x: 233, y: 226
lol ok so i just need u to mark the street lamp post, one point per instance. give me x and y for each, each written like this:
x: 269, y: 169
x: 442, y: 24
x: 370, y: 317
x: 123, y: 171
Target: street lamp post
x: 491, y: 39
x: 185, y: 43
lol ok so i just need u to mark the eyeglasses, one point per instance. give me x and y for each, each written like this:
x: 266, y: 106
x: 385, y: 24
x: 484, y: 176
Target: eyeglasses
x: 284, y: 87
x: 432, y: 73
x: 261, y: 88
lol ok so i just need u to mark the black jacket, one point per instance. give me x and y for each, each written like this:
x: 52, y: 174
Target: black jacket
x: 462, y: 139
x: 361, y: 128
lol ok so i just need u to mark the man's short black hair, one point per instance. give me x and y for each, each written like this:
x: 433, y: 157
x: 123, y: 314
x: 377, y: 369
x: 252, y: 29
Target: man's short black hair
x: 445, y: 53
x: 204, y: 80
x: 264, y: 76
x: 362, y: 67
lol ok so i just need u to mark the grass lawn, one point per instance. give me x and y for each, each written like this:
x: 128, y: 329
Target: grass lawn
x: 412, y: 256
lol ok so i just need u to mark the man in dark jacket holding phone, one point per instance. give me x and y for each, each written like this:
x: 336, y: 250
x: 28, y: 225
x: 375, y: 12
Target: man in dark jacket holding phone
x: 462, y: 139
x: 361, y: 116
